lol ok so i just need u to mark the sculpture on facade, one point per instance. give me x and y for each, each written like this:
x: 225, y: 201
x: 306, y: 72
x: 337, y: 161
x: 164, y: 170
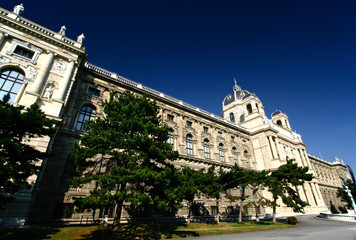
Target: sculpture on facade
x: 80, y: 38
x: 19, y: 9
x: 63, y: 30
x: 348, y: 191
x: 48, y: 92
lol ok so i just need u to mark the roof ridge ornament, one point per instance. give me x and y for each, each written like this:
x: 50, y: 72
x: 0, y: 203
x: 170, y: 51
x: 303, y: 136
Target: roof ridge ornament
x: 62, y: 31
x: 80, y: 38
x: 19, y: 9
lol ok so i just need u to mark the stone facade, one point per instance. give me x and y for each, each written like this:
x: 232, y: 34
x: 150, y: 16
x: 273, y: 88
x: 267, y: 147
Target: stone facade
x: 57, y: 77
x: 328, y: 174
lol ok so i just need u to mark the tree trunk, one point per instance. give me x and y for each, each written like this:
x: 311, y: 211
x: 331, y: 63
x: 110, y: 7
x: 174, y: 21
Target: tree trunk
x: 118, y: 213
x: 218, y: 215
x: 240, y: 212
x: 241, y: 204
x: 190, y: 203
x: 274, y: 210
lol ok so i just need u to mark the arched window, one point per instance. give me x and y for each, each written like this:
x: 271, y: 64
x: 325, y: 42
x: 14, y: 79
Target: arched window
x: 258, y: 110
x: 10, y: 83
x: 221, y: 152
x: 249, y: 108
x: 279, y: 122
x: 170, y: 137
x: 242, y: 118
x: 86, y: 113
x: 189, y: 144
x: 206, y: 149
x: 246, y: 156
x: 232, y: 117
x: 234, y: 155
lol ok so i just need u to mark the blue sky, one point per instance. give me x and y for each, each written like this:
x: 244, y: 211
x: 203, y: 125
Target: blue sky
x: 297, y: 56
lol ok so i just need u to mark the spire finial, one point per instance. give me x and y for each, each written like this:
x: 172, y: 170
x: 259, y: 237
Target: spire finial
x: 236, y: 87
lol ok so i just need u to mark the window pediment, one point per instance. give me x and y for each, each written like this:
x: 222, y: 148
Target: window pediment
x: 24, y: 51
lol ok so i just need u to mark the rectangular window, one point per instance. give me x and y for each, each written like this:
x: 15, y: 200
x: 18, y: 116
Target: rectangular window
x: 206, y: 151
x: 170, y: 138
x: 170, y: 117
x: 214, y: 210
x: 222, y: 158
x: 189, y: 123
x: 205, y: 129
x: 24, y: 52
x: 189, y: 148
x: 234, y: 155
x: 220, y: 133
x: 93, y: 91
x: 221, y: 153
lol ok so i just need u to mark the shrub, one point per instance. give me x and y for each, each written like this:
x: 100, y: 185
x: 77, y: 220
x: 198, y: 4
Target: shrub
x: 292, y: 220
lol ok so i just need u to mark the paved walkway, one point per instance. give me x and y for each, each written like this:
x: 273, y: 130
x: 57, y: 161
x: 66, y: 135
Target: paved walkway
x: 311, y: 229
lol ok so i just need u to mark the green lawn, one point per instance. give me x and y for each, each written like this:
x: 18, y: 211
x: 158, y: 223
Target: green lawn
x: 143, y: 231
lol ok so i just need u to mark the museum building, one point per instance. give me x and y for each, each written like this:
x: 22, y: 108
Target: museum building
x: 42, y: 66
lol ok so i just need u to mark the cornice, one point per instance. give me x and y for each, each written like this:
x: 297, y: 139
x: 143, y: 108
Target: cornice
x: 331, y: 164
x: 41, y: 32
x: 139, y: 88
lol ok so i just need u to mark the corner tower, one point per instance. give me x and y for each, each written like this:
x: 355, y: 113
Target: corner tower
x: 281, y: 119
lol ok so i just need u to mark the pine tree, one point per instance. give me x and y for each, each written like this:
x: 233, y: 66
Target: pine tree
x: 242, y: 179
x: 196, y: 183
x: 282, y: 183
x: 17, y: 158
x: 126, y: 155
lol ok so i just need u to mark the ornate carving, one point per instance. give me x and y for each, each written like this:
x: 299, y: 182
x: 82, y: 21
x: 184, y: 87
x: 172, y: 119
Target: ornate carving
x: 26, y: 45
x: 19, y: 9
x: 187, y: 130
x: 32, y: 72
x: 59, y: 66
x: 205, y: 135
x: 221, y: 140
x: 62, y: 31
x: 4, y: 59
x: 80, y: 38
x: 48, y: 92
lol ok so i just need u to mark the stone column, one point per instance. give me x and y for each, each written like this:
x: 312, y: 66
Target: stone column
x: 306, y: 159
x: 66, y: 80
x: 319, y: 193
x: 297, y: 157
x: 274, y: 153
x: 309, y: 195
x: 301, y: 193
x: 42, y: 75
x: 302, y: 158
x: 195, y: 146
x: 316, y: 195
x: 278, y: 149
x: 175, y: 140
x: 2, y: 37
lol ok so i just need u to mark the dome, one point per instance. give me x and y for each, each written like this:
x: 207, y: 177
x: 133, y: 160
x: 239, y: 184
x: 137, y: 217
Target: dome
x: 237, y: 94
x: 277, y: 113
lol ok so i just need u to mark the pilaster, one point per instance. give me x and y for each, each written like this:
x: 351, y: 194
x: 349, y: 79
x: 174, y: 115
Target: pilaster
x: 42, y: 75
x: 65, y: 82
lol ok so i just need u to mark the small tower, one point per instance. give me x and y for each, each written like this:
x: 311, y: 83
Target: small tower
x: 281, y: 119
